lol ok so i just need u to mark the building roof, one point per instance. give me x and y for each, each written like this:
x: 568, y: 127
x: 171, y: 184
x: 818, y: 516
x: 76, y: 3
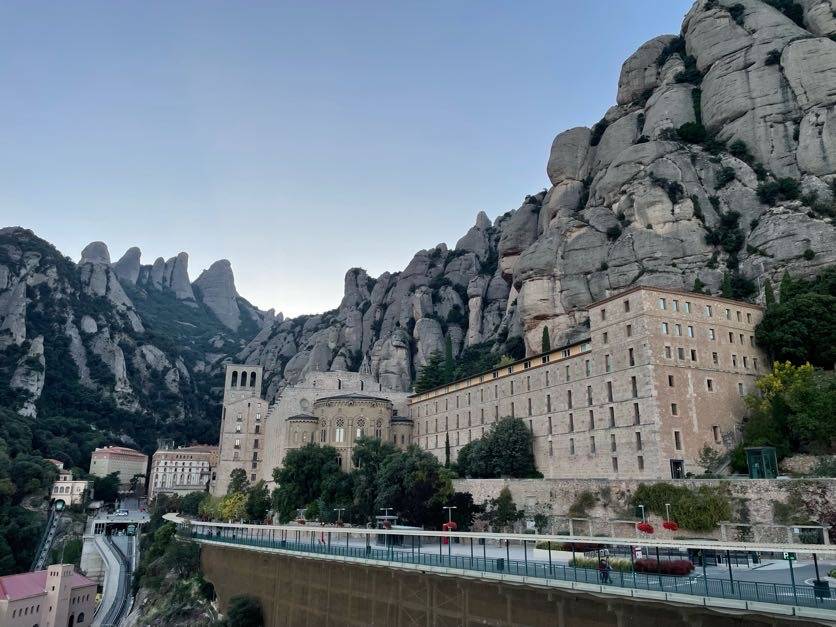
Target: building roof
x: 352, y: 396
x: 26, y: 585
x: 670, y: 290
x: 118, y: 450
x: 302, y: 417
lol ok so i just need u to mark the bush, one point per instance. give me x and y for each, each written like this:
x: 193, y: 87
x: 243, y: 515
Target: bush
x: 699, y: 510
x: 614, y: 232
x: 736, y: 11
x: 616, y: 564
x: 582, y: 504
x: 598, y: 132
x: 692, y: 132
x: 773, y: 57
x: 674, y: 46
x: 808, y: 254
x: 664, y: 567
x: 782, y: 189
x: 724, y: 177
x: 244, y: 611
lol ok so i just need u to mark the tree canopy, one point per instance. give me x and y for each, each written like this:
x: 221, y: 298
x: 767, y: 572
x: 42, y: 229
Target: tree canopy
x: 307, y: 474
x: 506, y: 450
x: 802, y: 326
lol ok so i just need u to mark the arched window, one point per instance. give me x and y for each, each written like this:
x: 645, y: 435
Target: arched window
x: 234, y: 381
x: 243, y: 379
x: 339, y: 431
x: 80, y: 618
x: 361, y: 424
x: 252, y: 379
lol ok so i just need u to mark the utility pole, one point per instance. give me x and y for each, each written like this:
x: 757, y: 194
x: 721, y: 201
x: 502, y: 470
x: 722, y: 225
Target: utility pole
x: 450, y: 509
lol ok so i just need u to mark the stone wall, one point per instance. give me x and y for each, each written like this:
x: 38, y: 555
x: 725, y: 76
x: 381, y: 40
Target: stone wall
x: 302, y: 591
x: 555, y: 496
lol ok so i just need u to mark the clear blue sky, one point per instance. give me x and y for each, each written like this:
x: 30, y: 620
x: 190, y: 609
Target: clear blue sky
x: 296, y: 139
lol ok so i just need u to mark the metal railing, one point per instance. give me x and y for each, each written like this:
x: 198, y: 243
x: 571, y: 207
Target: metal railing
x: 416, y: 551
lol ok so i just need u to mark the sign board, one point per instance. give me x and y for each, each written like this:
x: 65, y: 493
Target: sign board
x: 131, y: 530
x: 637, y: 552
x: 789, y: 556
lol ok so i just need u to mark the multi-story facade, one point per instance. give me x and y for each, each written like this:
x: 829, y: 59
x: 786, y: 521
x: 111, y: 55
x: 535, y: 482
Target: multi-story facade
x: 54, y: 597
x: 70, y: 491
x: 329, y: 408
x: 120, y: 459
x: 662, y: 374
x: 181, y: 470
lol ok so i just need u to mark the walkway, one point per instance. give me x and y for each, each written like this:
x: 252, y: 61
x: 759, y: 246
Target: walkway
x: 415, y: 550
x: 116, y: 584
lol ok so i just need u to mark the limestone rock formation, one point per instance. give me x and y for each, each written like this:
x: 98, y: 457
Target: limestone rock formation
x: 176, y: 278
x: 28, y: 376
x: 127, y: 268
x: 217, y: 292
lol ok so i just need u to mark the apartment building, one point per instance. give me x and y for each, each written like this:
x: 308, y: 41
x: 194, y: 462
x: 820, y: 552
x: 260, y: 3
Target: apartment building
x: 662, y: 374
x: 181, y: 470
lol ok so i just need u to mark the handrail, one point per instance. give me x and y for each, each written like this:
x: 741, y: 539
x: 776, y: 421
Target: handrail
x: 822, y: 549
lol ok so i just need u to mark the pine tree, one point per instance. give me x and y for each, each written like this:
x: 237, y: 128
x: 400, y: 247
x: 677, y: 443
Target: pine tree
x: 447, y: 450
x: 787, y: 287
x: 699, y: 286
x: 449, y: 366
x: 432, y: 374
x: 768, y: 294
x: 726, y: 290
x: 546, y: 342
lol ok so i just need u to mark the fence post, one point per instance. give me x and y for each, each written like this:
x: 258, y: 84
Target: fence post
x: 731, y: 577
x: 525, y: 554
x: 792, y: 578
x: 550, y: 556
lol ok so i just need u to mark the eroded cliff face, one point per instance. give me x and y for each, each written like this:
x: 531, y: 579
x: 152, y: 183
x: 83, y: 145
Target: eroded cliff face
x: 718, y: 159
x: 664, y: 191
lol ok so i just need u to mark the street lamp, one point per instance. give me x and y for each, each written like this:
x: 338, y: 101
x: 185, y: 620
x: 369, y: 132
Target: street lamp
x: 386, y: 511
x: 450, y: 509
x: 339, y: 511
x: 642, y: 508
x: 667, y: 511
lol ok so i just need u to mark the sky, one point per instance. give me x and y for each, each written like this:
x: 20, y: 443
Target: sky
x: 296, y: 139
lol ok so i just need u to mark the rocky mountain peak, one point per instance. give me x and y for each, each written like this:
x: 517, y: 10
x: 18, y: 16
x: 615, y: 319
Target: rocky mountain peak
x: 217, y: 291
x: 95, y: 252
x: 128, y: 266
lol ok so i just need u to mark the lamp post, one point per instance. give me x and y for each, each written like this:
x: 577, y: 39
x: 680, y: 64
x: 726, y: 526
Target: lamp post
x: 339, y: 511
x: 450, y: 509
x: 642, y: 508
x: 386, y: 510
x: 667, y: 511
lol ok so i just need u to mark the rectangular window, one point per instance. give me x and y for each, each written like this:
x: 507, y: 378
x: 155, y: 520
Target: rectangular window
x: 529, y: 407
x: 605, y: 337
x: 740, y: 389
x: 680, y: 352
x: 715, y: 431
x: 640, y: 462
x: 609, y: 391
x: 634, y: 386
x: 715, y: 358
x: 709, y: 385
x: 670, y: 380
x: 550, y: 425
x: 512, y: 410
x: 631, y: 357
x: 551, y: 449
x: 661, y: 303
x: 547, y: 378
x: 749, y: 317
x: 528, y: 384
x: 588, y: 367
x: 675, y: 305
x: 629, y: 330
x: 627, y: 305
x: 738, y: 315
x: 636, y: 414
x: 755, y: 363
x: 674, y: 409
x: 591, y: 420
x: 496, y: 412
x: 512, y: 388
x: 668, y: 353
x: 603, y: 313
x: 612, y: 417
x: 712, y: 335
x: 731, y: 337
x: 482, y: 416
x: 592, y: 444
x: 607, y: 365
x: 687, y: 307
x: 548, y: 403
x: 679, y: 329
x: 708, y: 311
x: 677, y: 440
x: 728, y: 314
x: 569, y: 399
x: 638, y: 440
x: 693, y: 354
x: 571, y: 446
x: 568, y: 378
x: 664, y: 328
x: 255, y: 443
x: 613, y: 445
x: 751, y: 340
x: 741, y: 339
x: 690, y: 331
x: 745, y: 362
x: 615, y: 464
x: 734, y: 361
x: 589, y: 395
x: 571, y: 423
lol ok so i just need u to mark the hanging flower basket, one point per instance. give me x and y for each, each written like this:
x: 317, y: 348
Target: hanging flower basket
x: 645, y: 527
x: 670, y: 525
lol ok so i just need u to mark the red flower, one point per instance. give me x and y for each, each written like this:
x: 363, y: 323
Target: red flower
x: 645, y: 527
x: 670, y: 525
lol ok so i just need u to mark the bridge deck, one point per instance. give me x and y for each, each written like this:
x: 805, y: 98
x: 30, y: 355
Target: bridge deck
x: 328, y: 544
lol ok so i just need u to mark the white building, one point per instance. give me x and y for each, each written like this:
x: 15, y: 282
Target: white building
x: 182, y: 470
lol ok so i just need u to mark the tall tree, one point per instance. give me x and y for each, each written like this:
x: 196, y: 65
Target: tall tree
x: 238, y: 482
x: 258, y: 501
x: 726, y: 289
x: 415, y: 486
x: 447, y: 449
x: 449, y: 365
x: 546, y: 344
x: 432, y: 374
x: 502, y: 512
x: 367, y: 457
x: 506, y: 450
x: 768, y: 293
x: 303, y: 477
